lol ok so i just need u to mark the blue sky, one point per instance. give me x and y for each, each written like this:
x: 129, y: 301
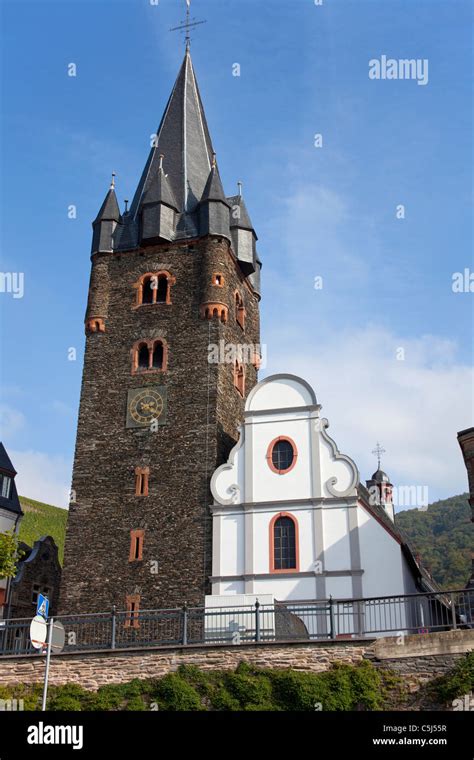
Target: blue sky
x: 329, y: 212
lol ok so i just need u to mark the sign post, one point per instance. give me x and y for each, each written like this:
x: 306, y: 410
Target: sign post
x: 46, y: 632
x: 48, y: 659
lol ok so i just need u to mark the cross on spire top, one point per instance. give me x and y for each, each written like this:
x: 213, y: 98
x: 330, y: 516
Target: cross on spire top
x: 186, y: 25
x: 378, y: 451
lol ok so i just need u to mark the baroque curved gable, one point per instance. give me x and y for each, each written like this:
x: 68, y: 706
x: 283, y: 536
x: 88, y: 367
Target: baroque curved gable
x: 284, y: 405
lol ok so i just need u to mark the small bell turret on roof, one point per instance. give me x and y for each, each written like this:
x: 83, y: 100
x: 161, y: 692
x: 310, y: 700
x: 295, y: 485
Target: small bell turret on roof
x: 379, y: 486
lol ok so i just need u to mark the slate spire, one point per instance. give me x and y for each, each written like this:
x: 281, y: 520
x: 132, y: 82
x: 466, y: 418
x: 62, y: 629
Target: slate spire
x: 109, y: 211
x: 183, y: 138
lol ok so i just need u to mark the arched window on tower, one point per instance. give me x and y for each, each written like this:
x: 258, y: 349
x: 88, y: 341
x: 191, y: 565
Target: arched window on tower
x: 157, y: 362
x: 154, y: 287
x: 143, y: 356
x: 239, y: 377
x: 147, y: 290
x: 239, y: 309
x: 162, y: 289
x: 149, y: 356
x: 284, y: 543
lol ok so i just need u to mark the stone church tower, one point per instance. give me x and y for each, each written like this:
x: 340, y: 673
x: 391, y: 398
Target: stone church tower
x: 172, y: 276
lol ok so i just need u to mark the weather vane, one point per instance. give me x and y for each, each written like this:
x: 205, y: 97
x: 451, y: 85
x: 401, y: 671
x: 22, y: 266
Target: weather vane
x: 378, y: 451
x: 187, y: 25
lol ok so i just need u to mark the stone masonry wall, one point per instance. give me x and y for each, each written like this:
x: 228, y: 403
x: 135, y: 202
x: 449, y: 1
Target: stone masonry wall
x: 203, y: 413
x: 92, y: 670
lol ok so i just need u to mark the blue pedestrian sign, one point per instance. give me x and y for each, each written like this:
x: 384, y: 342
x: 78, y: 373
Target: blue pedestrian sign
x: 42, y: 606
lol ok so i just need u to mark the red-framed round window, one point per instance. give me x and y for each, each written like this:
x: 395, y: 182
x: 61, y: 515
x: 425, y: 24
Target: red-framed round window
x: 282, y: 454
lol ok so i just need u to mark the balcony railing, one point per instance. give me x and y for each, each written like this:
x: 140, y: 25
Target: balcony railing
x: 305, y: 620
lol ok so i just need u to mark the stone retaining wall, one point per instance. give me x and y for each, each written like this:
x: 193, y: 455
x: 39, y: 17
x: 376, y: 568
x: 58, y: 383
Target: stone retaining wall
x: 417, y: 662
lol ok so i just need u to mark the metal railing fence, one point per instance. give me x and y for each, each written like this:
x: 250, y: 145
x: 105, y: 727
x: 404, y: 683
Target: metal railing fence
x: 295, y: 620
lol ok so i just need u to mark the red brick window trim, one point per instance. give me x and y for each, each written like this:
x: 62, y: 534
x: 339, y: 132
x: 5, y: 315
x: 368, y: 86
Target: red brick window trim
x: 272, y: 455
x: 132, y: 602
x: 136, y: 545
x: 280, y: 553
x: 239, y: 377
x: 218, y: 280
x: 239, y: 309
x: 95, y: 324
x: 149, y: 356
x: 141, y: 481
x: 214, y: 310
x: 154, y: 288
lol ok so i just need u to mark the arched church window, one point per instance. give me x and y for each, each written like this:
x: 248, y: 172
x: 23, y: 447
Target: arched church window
x: 284, y: 543
x: 157, y: 362
x: 149, y: 356
x: 282, y: 455
x: 136, y: 545
x: 147, y: 290
x: 239, y: 309
x: 154, y: 287
x: 141, y: 481
x: 143, y: 356
x: 162, y: 289
x: 239, y: 377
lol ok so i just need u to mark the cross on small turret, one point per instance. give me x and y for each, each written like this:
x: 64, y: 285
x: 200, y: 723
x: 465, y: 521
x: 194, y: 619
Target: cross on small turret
x: 378, y: 451
x: 187, y: 25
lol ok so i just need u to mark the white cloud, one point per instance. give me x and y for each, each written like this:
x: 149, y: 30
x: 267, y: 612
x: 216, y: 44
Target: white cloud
x: 413, y: 407
x: 43, y: 477
x: 12, y: 421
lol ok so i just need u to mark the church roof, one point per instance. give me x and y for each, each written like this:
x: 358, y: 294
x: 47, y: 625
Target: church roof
x: 419, y: 572
x: 184, y: 140
x: 109, y: 211
x: 380, y: 476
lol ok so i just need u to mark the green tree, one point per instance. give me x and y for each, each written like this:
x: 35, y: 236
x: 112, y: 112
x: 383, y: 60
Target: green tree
x: 9, y: 554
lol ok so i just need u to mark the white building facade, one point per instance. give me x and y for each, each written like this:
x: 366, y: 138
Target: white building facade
x: 291, y: 520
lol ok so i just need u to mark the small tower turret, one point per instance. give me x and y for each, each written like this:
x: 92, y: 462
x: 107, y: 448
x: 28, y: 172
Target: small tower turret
x: 243, y: 234
x: 381, y: 491
x: 379, y: 486
x: 105, y: 222
x: 158, y: 209
x: 214, y: 206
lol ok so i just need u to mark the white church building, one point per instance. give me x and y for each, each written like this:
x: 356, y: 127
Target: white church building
x: 291, y: 519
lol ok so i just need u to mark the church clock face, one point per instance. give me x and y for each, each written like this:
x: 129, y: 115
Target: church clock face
x: 146, y: 406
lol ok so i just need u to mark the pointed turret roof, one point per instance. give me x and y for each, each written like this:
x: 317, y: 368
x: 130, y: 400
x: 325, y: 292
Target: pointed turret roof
x: 159, y: 189
x: 213, y: 190
x: 241, y: 220
x: 109, y: 211
x: 183, y: 137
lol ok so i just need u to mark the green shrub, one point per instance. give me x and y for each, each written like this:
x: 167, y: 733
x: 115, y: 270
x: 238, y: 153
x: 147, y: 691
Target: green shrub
x: 296, y: 691
x: 71, y: 697
x: 248, y: 688
x: 173, y: 693
x: 31, y: 694
x: 458, y: 682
